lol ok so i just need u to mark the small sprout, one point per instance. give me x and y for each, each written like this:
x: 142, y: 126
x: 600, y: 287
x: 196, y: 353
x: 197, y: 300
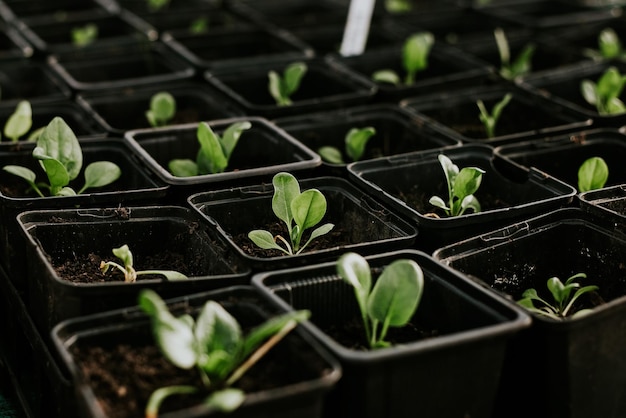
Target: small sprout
x: 398, y: 6
x: 213, y: 344
x: 461, y: 188
x: 61, y: 157
x: 281, y: 88
x: 214, y: 153
x: 84, y: 35
x: 130, y: 274
x: 199, y: 26
x: 162, y: 109
x: 521, y: 65
x: 604, y: 94
x: 562, y: 296
x: 592, y: 174
x: 393, y: 300
x: 490, y: 120
x: 415, y: 52
x: 306, y: 209
x: 157, y: 5
x: 609, y: 47
x: 355, y: 142
x: 20, y: 122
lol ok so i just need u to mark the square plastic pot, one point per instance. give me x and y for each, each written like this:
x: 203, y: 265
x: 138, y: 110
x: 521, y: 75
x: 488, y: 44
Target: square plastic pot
x: 576, y: 364
x: 135, y: 186
x: 218, y: 19
x: 324, y: 86
x: 526, y: 115
x: 453, y: 372
x: 561, y: 156
x: 405, y: 183
x: 24, y: 79
x: 310, y: 370
x: 62, y: 243
x: 281, y: 14
x: 13, y: 44
x: 119, y: 111
x: 397, y: 132
x: 609, y: 202
x: 361, y: 223
x: 262, y: 150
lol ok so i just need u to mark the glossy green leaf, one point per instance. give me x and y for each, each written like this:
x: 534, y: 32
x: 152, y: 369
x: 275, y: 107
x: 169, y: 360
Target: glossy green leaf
x: 183, y: 168
x: 294, y: 73
x: 286, y: 189
x: 386, y: 76
x: 231, y: 136
x: 592, y: 174
x: 211, y: 158
x: 415, y: 52
x: 261, y: 333
x: 58, y: 142
x: 355, y: 270
x: 101, y: 173
x: 308, y: 208
x: 265, y: 239
x: 331, y: 155
x: 356, y: 141
x: 217, y: 331
x: 20, y: 121
x: 226, y: 400
x: 162, y: 108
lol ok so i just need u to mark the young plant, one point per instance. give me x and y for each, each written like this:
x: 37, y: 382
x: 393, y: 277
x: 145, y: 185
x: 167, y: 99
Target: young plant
x: 522, y: 63
x: 393, y: 300
x: 592, y: 174
x: 609, y: 47
x: 214, y: 344
x: 398, y: 6
x: 214, y: 153
x: 130, y: 274
x: 415, y: 52
x: 562, y: 296
x: 199, y: 26
x: 355, y: 142
x: 490, y: 120
x: 59, y: 154
x: 84, y: 35
x: 604, y: 94
x: 305, y: 209
x: 462, y: 184
x: 20, y: 121
x: 157, y: 5
x: 162, y: 109
x: 281, y: 88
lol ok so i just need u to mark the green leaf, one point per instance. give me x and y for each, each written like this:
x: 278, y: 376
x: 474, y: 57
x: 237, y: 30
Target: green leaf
x: 557, y: 289
x: 467, y: 181
x: 101, y: 173
x: 397, y: 293
x: 308, y: 208
x: 609, y: 43
x: 56, y: 172
x: 331, y: 155
x: 162, y: 108
x: 356, y: 140
x: 293, y: 77
x: 261, y: 333
x: 275, y: 88
x: 265, y: 239
x: 286, y: 189
x: 231, y: 136
x: 318, y: 232
x: 438, y: 202
x: 20, y: 122
x: 386, y: 76
x: 592, y: 174
x: 211, y: 158
x: 217, y: 331
x: 499, y: 107
x: 470, y: 202
x: 449, y: 169
x: 58, y: 142
x: 170, y: 275
x: 415, y: 53
x: 23, y: 172
x: 588, y: 90
x: 226, y: 400
x: 355, y: 270
x: 503, y: 47
x: 124, y: 254
x: 183, y: 168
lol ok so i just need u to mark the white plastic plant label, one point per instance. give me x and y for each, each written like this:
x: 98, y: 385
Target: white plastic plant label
x: 357, y: 27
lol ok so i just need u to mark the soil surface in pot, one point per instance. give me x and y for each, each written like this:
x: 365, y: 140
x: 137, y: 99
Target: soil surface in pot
x: 418, y: 199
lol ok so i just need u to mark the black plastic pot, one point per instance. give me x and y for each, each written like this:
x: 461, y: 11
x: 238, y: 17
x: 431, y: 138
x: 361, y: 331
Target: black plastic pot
x: 56, y: 240
x: 448, y: 68
x: 526, y: 116
x: 262, y: 151
x: 123, y: 110
x: 13, y: 10
x: 324, y: 86
x: 119, y: 66
x: 361, y: 224
x: 405, y: 183
x: 561, y: 156
x: 232, y: 49
x: 608, y: 202
x: 12, y: 44
x: 312, y: 372
x: 576, y: 365
x: 397, y: 132
x: 135, y: 186
x: 453, y: 373
x: 23, y: 79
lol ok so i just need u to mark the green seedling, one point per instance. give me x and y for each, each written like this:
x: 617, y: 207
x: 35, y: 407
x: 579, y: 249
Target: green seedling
x: 609, y: 47
x: 214, y: 153
x: 415, y: 52
x: 355, y: 142
x: 398, y: 6
x: 20, y: 121
x: 162, y: 109
x: 604, y: 94
x: 84, y: 35
x: 213, y: 344
x: 561, y: 295
x: 199, y: 26
x: 130, y: 274
x: 462, y: 184
x: 305, y: 209
x: 391, y: 302
x: 282, y: 88
x: 592, y: 174
x: 490, y: 120
x: 523, y: 62
x: 59, y: 154
x: 157, y: 5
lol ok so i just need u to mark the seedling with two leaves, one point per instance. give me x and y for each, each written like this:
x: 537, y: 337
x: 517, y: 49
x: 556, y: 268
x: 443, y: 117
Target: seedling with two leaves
x: 84, y: 35
x: 604, y: 94
x: 521, y: 65
x: 592, y: 174
x: 490, y: 119
x: 213, y: 344
x: 59, y: 154
x: 563, y: 298
x: 130, y: 274
x: 162, y: 109
x: 462, y: 184
x: 281, y: 88
x: 215, y: 151
x: 298, y: 210
x: 415, y: 53
x: 609, y: 47
x: 392, y: 301
x: 355, y: 142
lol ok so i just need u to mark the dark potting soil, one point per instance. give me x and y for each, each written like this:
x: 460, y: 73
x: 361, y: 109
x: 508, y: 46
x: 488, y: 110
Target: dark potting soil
x: 419, y: 200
